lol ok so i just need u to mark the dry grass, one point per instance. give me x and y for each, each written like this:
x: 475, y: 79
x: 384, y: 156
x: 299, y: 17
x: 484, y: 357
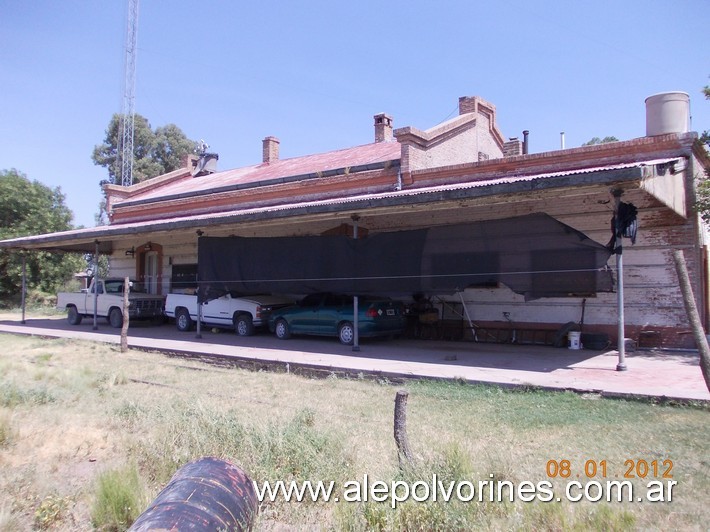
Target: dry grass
x: 72, y: 411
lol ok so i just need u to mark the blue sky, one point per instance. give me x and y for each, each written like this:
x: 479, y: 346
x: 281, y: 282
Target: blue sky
x: 313, y: 73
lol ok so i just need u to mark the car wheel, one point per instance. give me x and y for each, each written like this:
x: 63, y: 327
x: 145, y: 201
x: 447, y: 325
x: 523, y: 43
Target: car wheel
x: 115, y: 318
x: 346, y: 333
x: 243, y: 325
x: 183, y: 321
x: 282, y: 331
x: 73, y: 316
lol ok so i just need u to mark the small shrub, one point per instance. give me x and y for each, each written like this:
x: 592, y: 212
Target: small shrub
x: 12, y: 395
x: 119, y: 500
x: 130, y: 413
x: 38, y: 299
x: 375, y: 516
x: 50, y: 511
x: 451, y: 465
x: 298, y: 450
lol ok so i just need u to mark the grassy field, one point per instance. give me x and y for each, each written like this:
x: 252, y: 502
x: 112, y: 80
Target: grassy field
x: 83, y: 426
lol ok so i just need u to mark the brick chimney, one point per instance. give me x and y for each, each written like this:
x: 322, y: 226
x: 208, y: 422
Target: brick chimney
x: 270, y: 151
x: 513, y: 147
x: 383, y: 127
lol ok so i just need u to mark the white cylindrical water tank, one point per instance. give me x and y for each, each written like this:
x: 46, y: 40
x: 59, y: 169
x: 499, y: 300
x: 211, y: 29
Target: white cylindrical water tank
x: 667, y: 112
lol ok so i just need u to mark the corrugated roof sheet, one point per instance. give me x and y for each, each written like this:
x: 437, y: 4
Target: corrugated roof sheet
x: 132, y: 228
x: 379, y: 152
x: 453, y: 186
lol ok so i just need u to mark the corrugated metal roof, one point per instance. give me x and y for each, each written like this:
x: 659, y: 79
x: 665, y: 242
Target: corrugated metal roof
x: 451, y: 187
x: 185, y: 222
x: 375, y: 153
x: 534, y: 177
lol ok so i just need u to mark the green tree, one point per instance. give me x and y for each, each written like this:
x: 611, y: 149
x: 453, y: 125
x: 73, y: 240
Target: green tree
x: 154, y: 152
x: 596, y: 140
x: 171, y: 146
x: 702, y: 200
x: 705, y: 137
x: 29, y: 208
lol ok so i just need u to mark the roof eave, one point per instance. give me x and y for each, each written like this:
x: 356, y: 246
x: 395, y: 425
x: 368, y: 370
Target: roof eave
x: 84, y: 240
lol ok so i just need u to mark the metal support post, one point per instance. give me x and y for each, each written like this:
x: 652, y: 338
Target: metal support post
x: 356, y: 299
x: 24, y: 286
x: 621, y: 344
x: 96, y: 284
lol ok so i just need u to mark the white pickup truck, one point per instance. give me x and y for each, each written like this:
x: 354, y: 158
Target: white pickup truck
x: 243, y: 314
x: 110, y: 303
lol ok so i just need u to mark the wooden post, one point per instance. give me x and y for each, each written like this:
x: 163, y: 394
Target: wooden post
x: 693, y: 316
x: 124, y: 327
x: 400, y: 429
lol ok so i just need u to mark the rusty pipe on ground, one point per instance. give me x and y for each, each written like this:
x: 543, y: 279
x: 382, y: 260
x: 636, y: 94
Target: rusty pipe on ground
x: 206, y: 494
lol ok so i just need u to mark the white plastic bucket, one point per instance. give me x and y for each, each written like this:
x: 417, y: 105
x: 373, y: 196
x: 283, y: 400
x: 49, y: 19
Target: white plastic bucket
x: 574, y: 339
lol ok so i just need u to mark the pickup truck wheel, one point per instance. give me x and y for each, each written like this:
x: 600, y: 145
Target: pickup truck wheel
x: 282, y: 330
x: 73, y: 316
x: 115, y: 318
x: 243, y: 325
x: 183, y: 321
x: 346, y: 333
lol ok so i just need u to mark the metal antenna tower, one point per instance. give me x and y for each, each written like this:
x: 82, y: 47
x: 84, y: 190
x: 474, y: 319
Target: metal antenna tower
x: 128, y: 112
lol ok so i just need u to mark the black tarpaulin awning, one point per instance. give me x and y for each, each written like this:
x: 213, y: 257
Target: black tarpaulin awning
x: 535, y: 255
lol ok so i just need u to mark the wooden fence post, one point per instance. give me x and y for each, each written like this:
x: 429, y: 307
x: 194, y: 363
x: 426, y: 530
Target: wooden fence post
x: 400, y: 429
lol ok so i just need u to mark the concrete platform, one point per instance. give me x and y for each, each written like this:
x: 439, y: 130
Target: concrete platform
x: 672, y: 375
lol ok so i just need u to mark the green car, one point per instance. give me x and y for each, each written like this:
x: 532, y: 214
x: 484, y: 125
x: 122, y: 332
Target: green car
x: 326, y: 314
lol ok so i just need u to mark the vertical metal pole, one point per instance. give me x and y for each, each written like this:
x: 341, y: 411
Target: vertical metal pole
x: 97, y: 277
x: 356, y: 299
x: 198, y: 334
x: 621, y: 345
x: 24, y: 286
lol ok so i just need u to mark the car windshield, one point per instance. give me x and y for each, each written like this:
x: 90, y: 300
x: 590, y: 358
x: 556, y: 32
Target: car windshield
x: 114, y: 287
